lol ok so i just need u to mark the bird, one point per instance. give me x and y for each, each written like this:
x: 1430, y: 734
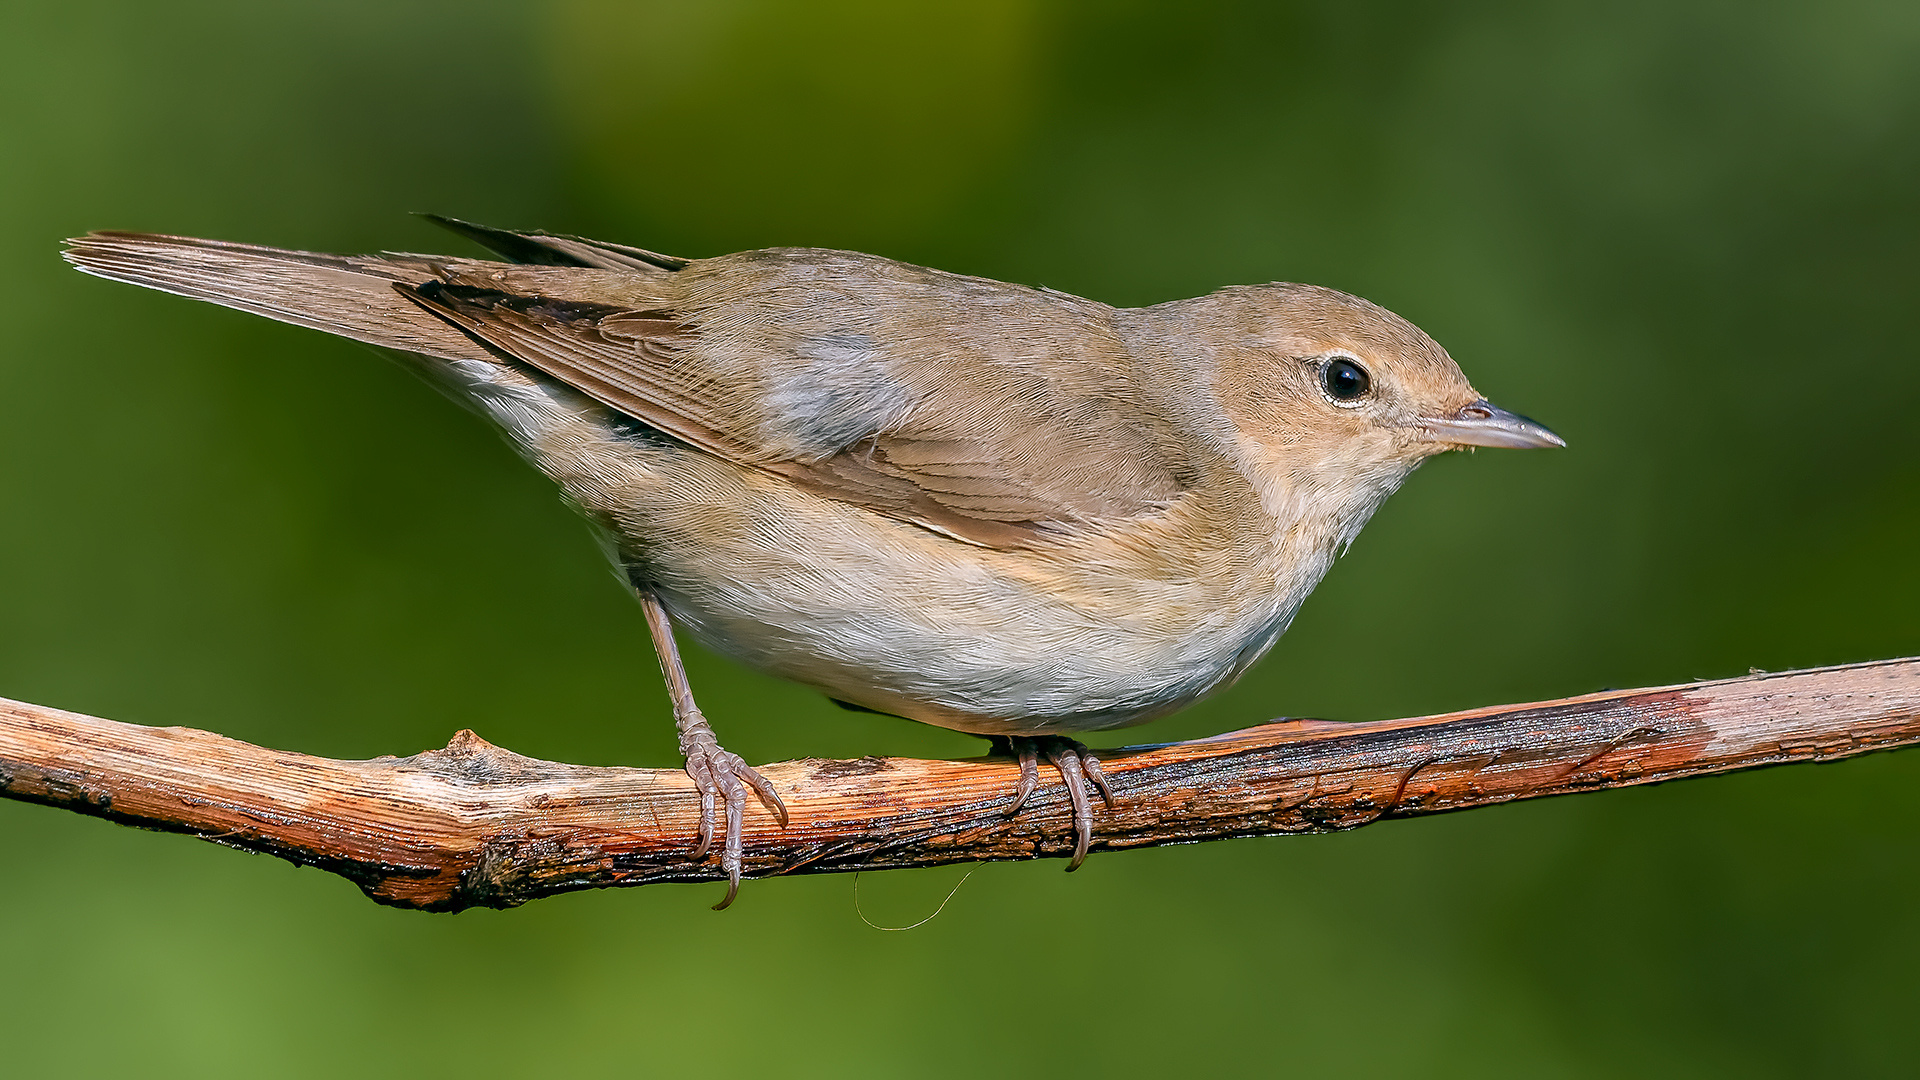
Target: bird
x: 995, y: 508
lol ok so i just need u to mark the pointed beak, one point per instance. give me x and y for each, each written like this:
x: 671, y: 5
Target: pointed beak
x: 1485, y: 424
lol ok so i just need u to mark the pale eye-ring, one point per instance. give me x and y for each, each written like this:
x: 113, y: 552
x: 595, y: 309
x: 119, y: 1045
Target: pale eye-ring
x: 1344, y: 380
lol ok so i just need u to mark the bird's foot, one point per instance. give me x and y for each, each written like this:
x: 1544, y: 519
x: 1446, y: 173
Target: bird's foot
x: 1078, y: 767
x: 723, y: 779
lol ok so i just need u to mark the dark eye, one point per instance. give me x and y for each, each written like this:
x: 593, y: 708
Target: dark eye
x: 1344, y: 379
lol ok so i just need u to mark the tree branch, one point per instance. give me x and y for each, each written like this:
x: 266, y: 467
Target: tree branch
x: 475, y: 825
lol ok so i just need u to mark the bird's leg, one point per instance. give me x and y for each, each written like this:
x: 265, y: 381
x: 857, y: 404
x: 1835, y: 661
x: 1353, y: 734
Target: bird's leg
x: 716, y: 772
x: 1078, y: 767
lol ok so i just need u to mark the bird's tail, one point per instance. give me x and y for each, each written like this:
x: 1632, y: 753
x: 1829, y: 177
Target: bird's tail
x: 353, y: 296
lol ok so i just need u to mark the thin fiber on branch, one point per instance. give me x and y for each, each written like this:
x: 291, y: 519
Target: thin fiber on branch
x: 474, y: 825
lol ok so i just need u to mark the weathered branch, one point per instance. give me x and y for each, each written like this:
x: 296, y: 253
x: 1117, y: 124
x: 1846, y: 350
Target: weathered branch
x: 475, y: 825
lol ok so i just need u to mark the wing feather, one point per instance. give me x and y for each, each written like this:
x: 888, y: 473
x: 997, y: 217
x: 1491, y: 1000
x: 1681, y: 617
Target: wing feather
x: 988, y: 412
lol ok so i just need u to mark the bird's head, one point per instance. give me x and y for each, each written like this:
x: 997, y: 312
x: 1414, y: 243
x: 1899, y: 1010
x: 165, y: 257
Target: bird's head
x: 1314, y: 369
x: 1330, y: 398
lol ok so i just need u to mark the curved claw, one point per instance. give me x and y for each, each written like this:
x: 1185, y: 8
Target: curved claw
x: 768, y: 797
x: 1096, y: 775
x: 1029, y: 776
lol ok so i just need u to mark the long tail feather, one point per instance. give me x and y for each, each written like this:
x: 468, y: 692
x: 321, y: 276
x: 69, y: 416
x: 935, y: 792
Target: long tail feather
x: 351, y: 296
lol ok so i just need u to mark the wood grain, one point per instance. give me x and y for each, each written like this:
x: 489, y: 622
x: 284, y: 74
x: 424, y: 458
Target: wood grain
x: 474, y: 825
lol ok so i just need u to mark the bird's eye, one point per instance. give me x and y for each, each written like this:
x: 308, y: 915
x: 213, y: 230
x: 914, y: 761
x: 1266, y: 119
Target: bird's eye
x: 1345, y: 380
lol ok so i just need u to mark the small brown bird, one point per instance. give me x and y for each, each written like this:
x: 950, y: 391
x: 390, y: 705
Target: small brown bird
x: 999, y: 509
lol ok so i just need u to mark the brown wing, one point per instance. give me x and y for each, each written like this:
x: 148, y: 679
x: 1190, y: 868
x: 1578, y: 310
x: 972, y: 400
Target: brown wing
x: 990, y: 412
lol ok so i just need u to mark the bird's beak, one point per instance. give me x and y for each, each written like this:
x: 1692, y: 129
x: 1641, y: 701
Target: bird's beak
x: 1485, y: 424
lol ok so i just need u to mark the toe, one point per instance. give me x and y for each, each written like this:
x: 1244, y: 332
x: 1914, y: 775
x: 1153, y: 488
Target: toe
x: 769, y: 798
x: 1065, y: 756
x: 703, y: 780
x: 730, y: 850
x: 1098, y: 776
x: 1029, y: 752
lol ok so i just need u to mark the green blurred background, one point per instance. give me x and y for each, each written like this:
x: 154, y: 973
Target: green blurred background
x: 1687, y: 236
